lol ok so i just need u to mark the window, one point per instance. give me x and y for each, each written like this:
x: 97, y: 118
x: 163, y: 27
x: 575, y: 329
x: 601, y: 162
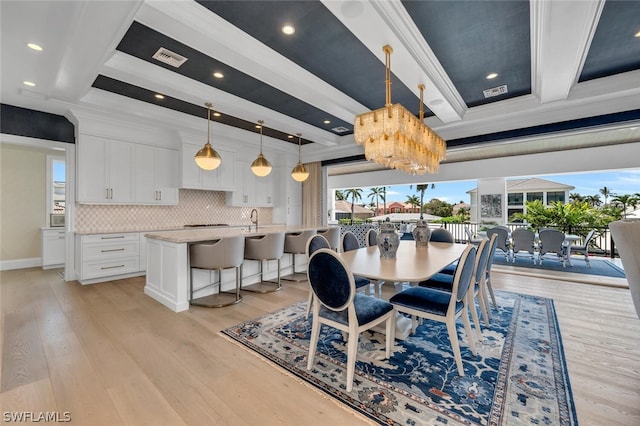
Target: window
x: 514, y: 199
x: 533, y: 196
x: 511, y: 212
x: 56, y: 186
x: 555, y: 196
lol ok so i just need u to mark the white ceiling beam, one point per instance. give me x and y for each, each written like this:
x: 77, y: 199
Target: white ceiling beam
x: 561, y: 32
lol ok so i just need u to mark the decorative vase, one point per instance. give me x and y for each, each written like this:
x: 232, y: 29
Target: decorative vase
x: 388, y: 240
x: 421, y: 233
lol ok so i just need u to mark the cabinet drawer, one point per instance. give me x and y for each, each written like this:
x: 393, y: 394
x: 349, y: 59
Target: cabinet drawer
x: 110, y: 238
x: 111, y: 250
x: 96, y: 269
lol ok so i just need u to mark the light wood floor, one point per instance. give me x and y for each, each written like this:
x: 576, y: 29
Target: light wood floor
x: 110, y: 355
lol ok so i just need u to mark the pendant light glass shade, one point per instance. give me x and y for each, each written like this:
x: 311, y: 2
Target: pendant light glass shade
x: 299, y: 172
x: 261, y: 166
x: 207, y: 158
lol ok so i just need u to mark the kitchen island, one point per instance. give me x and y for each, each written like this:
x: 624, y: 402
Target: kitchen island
x: 168, y: 270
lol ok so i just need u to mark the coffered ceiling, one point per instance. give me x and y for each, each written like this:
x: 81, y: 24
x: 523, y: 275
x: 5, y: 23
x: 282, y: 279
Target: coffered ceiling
x: 560, y: 65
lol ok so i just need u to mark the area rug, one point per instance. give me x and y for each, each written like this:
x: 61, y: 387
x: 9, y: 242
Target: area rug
x: 519, y: 375
x: 600, y: 267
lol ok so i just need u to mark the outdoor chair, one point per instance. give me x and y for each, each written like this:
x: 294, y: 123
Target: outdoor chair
x: 523, y: 243
x: 441, y: 306
x: 583, y: 248
x: 503, y: 239
x: 314, y: 244
x: 336, y: 304
x: 471, y: 238
x: 350, y: 242
x: 441, y: 235
x: 551, y: 241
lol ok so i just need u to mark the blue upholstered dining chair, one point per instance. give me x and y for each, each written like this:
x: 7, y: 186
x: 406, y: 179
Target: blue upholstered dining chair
x: 371, y: 238
x: 493, y: 243
x: 442, y: 306
x: 441, y: 235
x: 444, y: 281
x: 503, y: 239
x: 336, y: 304
x: 350, y: 242
x: 314, y: 244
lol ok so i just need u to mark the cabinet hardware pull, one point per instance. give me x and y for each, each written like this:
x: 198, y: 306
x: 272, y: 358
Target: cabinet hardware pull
x: 112, y: 267
x: 106, y: 251
x: 111, y: 238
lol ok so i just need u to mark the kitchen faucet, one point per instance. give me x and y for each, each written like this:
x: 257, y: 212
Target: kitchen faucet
x: 255, y: 221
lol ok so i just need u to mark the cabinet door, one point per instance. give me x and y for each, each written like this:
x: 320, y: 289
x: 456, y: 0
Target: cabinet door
x: 92, y: 184
x: 227, y: 170
x: 264, y: 191
x: 190, y: 170
x: 120, y: 160
x: 166, y: 175
x: 145, y: 172
x: 53, y: 248
x: 220, y: 179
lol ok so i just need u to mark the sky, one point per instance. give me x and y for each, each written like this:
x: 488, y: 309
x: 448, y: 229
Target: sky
x: 618, y: 182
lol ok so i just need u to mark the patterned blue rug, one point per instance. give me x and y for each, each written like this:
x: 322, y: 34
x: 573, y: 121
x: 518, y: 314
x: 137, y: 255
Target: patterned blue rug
x: 600, y: 267
x: 518, y: 377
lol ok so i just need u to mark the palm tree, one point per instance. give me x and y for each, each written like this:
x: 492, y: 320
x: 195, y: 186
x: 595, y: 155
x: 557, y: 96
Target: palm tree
x: 421, y: 188
x: 339, y: 195
x: 574, y: 196
x: 375, y: 193
x: 606, y: 192
x: 593, y: 200
x: 355, y: 194
x: 625, y: 201
x: 413, y: 200
x: 384, y: 200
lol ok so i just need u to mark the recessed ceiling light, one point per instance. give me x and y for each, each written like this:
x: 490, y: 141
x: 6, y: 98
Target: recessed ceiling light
x: 258, y: 126
x: 290, y: 136
x: 217, y: 114
x: 288, y: 29
x: 492, y: 76
x: 34, y: 46
x: 29, y: 83
x: 637, y: 35
x: 159, y: 96
x: 326, y: 121
x: 218, y: 74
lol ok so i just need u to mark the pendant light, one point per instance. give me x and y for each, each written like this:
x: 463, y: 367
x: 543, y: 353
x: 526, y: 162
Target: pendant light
x: 299, y: 172
x: 261, y: 166
x: 207, y: 158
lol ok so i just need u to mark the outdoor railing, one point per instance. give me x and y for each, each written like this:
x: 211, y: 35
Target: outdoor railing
x: 602, y: 243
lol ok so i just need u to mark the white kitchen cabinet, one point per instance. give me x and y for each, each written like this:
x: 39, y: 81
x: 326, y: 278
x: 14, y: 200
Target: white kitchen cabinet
x: 156, y: 175
x: 251, y: 190
x: 103, y: 257
x: 220, y: 179
x: 104, y: 170
x: 53, y: 248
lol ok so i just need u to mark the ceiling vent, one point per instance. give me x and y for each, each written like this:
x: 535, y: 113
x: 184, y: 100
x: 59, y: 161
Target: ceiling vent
x: 495, y: 91
x: 169, y: 57
x: 340, y: 129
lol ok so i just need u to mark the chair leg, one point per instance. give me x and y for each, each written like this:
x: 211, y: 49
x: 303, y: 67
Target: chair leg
x: 467, y: 329
x: 391, y: 334
x: 309, y: 302
x: 493, y: 296
x: 313, y: 339
x: 474, y: 314
x: 484, y: 305
x: 352, y: 350
x: 453, y: 338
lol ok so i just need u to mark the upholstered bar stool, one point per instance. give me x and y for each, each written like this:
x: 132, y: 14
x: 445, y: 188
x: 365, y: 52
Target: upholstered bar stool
x: 224, y: 253
x: 263, y: 248
x: 296, y: 243
x: 332, y: 234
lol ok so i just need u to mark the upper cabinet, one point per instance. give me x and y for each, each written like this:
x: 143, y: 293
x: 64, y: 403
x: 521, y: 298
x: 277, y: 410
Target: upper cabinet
x: 104, y: 170
x: 251, y: 190
x: 220, y: 179
x: 156, y: 175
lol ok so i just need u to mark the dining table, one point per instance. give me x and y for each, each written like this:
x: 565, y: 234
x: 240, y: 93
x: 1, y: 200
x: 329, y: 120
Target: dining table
x: 412, y: 264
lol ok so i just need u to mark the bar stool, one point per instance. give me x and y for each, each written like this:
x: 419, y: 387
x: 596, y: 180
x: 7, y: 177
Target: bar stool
x: 263, y: 248
x: 216, y: 255
x: 332, y: 234
x: 296, y: 243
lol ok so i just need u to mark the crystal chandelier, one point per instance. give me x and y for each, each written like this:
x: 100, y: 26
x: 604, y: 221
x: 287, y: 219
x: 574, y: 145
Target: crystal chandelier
x: 395, y: 138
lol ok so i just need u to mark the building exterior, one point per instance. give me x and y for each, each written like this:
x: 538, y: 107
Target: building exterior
x: 517, y: 193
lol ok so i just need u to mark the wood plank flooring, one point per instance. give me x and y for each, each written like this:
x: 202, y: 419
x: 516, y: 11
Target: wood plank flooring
x: 108, y: 354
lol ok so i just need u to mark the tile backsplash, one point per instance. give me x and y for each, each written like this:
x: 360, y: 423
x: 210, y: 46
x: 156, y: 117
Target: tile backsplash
x: 194, y: 207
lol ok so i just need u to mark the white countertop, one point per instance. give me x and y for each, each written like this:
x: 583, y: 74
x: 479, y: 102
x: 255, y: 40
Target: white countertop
x: 208, y: 234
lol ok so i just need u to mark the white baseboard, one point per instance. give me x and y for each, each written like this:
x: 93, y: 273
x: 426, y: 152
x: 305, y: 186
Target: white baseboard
x: 34, y: 262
